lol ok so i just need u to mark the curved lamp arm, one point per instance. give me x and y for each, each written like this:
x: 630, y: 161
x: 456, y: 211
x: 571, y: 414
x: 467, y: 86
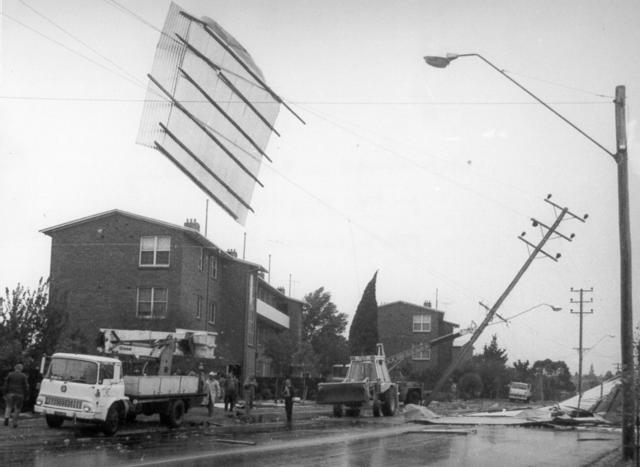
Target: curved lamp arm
x: 443, y: 62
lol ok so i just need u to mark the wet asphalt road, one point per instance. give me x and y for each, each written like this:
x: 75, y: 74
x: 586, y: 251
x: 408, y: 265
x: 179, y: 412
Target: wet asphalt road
x: 314, y: 439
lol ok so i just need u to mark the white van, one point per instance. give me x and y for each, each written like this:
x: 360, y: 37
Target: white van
x: 519, y: 391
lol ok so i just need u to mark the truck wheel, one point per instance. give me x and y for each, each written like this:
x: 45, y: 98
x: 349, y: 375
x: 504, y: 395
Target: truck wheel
x: 176, y: 414
x: 54, y: 421
x: 112, y: 422
x: 131, y: 416
x: 376, y: 408
x: 337, y: 410
x: 390, y: 403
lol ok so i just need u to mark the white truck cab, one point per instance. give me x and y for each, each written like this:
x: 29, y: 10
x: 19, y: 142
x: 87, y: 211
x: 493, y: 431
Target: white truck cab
x: 81, y: 388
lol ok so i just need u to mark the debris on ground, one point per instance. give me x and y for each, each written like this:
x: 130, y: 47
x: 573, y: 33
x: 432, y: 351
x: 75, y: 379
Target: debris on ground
x: 418, y: 412
x: 599, y: 407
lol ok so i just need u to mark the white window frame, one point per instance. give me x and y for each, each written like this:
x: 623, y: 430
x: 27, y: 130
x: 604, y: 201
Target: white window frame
x: 156, y: 241
x: 213, y: 266
x: 212, y: 312
x: 199, y: 301
x: 423, y: 354
x: 153, y: 301
x: 421, y: 323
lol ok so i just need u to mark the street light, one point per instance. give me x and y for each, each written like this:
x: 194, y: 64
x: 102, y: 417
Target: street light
x: 509, y: 318
x: 586, y: 349
x: 626, y: 308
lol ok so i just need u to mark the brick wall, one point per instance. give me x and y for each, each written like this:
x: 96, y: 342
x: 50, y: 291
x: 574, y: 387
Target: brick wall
x: 395, y: 330
x: 95, y: 274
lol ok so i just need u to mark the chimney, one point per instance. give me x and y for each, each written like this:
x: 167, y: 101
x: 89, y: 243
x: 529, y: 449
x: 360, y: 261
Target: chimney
x: 282, y: 290
x: 232, y: 252
x: 192, y: 224
x: 427, y: 304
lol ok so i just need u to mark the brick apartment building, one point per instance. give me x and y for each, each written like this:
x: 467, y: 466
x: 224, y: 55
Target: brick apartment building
x: 125, y: 271
x: 402, y: 326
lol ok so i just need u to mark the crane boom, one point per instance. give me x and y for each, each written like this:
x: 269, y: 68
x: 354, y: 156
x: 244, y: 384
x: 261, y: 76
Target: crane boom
x: 394, y: 360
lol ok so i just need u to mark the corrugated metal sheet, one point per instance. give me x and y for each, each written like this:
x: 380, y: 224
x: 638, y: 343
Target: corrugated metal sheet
x: 203, y: 142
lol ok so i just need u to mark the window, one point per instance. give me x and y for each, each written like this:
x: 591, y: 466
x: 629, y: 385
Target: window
x: 199, y: 307
x: 202, y: 261
x: 420, y: 353
x: 211, y: 316
x: 152, y: 302
x: 106, y: 372
x: 213, y: 267
x: 154, y: 251
x: 421, y: 323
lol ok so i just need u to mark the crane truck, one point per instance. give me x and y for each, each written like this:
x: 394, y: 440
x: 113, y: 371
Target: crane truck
x: 94, y: 388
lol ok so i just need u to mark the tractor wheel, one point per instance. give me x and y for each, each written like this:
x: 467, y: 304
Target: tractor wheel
x: 53, y: 421
x: 376, y: 408
x: 112, y: 422
x: 390, y: 404
x: 337, y: 410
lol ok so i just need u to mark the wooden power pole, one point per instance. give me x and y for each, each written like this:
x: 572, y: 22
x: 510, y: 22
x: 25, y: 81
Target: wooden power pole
x: 581, y: 301
x: 626, y: 299
x: 548, y: 231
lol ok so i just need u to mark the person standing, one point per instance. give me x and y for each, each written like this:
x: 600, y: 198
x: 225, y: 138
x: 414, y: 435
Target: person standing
x: 16, y: 389
x: 230, y: 391
x: 249, y: 390
x: 212, y: 391
x: 287, y: 394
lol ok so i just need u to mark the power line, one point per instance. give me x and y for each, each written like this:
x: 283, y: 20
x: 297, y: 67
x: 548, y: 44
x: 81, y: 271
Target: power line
x: 419, y: 165
x: 553, y: 83
x: 299, y: 103
x: 80, y: 41
x: 64, y: 46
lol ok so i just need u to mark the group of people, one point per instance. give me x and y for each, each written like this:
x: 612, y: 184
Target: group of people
x: 229, y: 389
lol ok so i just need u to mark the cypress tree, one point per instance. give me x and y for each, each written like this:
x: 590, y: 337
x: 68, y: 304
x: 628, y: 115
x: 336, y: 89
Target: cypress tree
x: 363, y: 334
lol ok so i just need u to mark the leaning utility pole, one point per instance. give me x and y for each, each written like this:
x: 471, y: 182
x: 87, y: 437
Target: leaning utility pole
x: 548, y: 231
x: 581, y: 301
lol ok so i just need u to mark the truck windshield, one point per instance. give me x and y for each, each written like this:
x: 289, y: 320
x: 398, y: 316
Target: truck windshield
x: 77, y: 371
x: 519, y: 386
x: 339, y: 371
x: 359, y: 371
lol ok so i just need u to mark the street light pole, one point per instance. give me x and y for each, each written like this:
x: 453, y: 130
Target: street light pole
x: 626, y: 304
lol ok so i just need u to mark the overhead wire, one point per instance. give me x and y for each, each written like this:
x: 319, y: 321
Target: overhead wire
x: 138, y: 17
x: 553, y: 83
x: 417, y: 164
x: 85, y: 44
x: 64, y: 46
x: 317, y: 114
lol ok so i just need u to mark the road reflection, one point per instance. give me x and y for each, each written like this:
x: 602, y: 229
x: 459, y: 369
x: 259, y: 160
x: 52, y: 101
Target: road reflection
x: 340, y: 446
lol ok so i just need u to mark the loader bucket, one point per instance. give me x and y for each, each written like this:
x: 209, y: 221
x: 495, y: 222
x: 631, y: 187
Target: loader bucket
x: 342, y: 393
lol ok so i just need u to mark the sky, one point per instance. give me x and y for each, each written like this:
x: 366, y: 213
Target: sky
x: 425, y: 175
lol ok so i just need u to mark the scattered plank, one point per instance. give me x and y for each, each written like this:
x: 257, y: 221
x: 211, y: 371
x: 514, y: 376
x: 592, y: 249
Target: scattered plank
x: 234, y: 441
